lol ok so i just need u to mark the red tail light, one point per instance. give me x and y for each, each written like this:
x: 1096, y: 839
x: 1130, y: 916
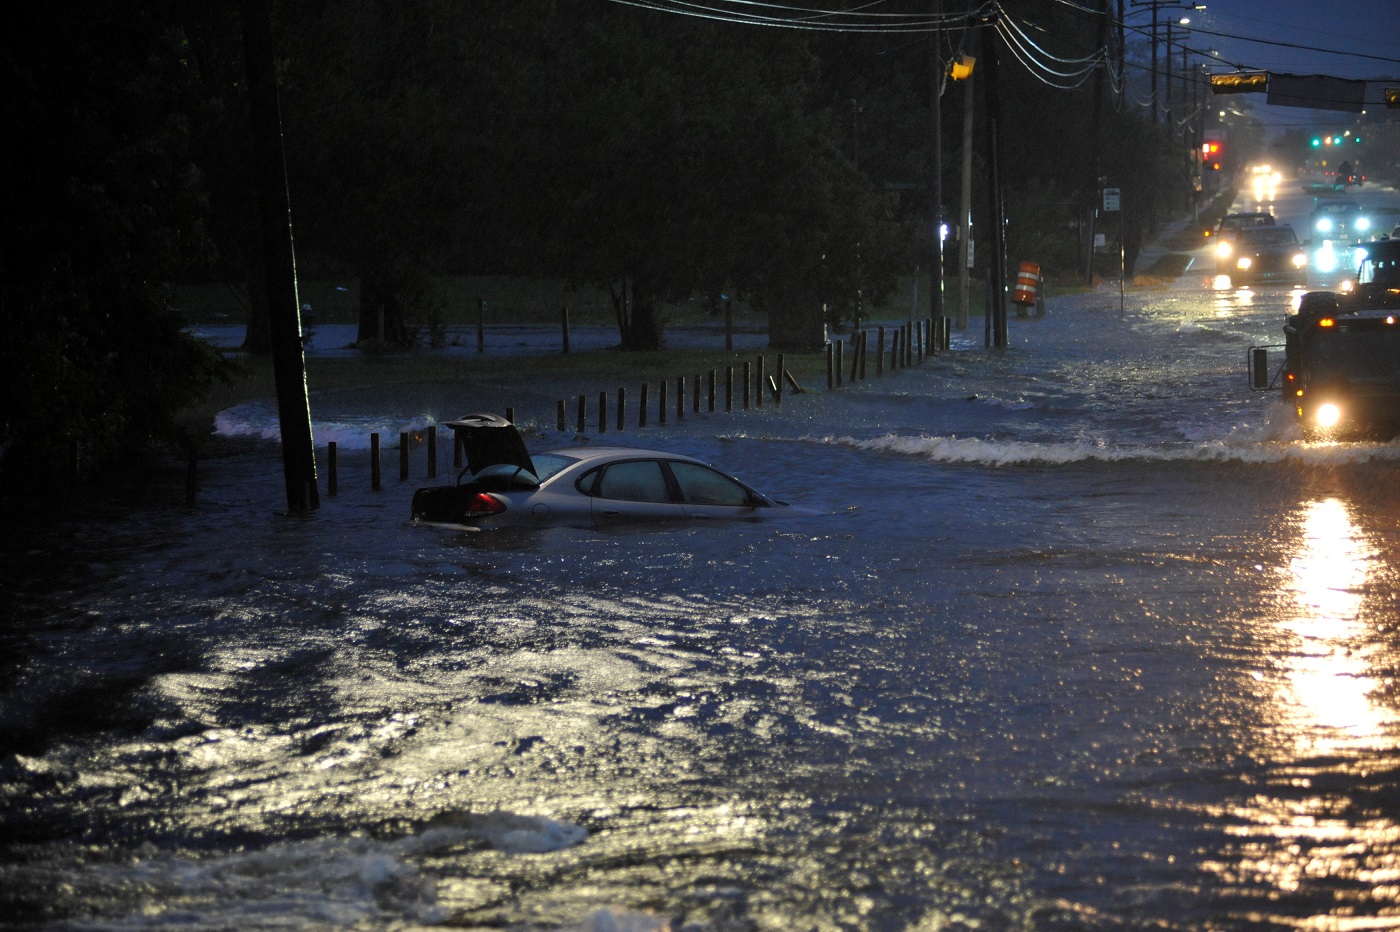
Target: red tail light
x: 483, y: 504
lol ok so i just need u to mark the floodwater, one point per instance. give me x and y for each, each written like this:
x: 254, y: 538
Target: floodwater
x: 1075, y: 635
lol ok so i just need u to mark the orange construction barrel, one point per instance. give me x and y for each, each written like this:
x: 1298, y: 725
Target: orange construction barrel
x: 1027, y: 283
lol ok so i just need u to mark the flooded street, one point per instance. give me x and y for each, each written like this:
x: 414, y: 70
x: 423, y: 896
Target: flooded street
x: 1075, y: 635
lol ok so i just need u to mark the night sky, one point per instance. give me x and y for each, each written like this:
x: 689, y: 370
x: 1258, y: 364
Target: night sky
x: 1357, y: 39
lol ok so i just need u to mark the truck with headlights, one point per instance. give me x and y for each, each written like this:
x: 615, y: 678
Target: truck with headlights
x: 1340, y: 371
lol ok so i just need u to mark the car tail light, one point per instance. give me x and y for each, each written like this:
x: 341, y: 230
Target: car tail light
x: 483, y: 504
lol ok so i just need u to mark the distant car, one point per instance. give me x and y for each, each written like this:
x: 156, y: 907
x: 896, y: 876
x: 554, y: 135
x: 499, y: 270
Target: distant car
x: 1260, y: 254
x: 1231, y: 224
x: 503, y: 485
x: 1339, y: 220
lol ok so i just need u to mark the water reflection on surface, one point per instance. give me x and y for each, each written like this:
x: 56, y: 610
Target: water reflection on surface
x: 1319, y: 842
x: 1328, y: 673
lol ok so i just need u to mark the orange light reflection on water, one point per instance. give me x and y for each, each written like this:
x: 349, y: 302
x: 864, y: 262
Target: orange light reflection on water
x: 1304, y: 839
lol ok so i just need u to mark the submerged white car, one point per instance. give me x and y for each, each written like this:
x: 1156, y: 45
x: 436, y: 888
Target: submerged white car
x: 503, y: 485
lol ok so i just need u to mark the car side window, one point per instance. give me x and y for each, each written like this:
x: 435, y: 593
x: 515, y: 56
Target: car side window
x: 701, y: 485
x: 635, y: 481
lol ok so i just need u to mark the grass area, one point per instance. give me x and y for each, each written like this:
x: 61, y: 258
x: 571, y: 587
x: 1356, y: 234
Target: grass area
x: 576, y: 373
x: 523, y: 301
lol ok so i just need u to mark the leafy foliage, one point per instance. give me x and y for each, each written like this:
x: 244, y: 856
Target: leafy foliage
x: 103, y: 206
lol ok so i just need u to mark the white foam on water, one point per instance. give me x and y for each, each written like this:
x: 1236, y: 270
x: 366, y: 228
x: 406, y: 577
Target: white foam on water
x: 977, y: 451
x: 338, y: 881
x: 508, y: 832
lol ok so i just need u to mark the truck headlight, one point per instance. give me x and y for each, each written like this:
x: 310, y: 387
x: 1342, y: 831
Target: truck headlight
x: 1327, y: 415
x: 1324, y: 225
x: 1300, y: 259
x: 1223, y: 250
x: 1244, y: 263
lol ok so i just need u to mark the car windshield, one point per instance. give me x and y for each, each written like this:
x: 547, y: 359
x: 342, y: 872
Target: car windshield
x: 1271, y: 236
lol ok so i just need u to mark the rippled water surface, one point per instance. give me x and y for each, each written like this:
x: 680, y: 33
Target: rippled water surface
x: 1074, y: 635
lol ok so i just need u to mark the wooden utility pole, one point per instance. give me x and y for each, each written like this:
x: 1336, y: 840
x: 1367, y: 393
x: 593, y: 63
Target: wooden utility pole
x: 1095, y: 134
x: 279, y: 257
x: 936, y: 163
x: 965, y: 240
x: 996, y: 274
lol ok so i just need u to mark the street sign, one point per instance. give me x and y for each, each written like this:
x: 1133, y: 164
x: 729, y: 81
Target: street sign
x: 1112, y: 200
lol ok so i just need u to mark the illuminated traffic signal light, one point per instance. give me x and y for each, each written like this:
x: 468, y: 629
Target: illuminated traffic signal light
x: 1211, y: 155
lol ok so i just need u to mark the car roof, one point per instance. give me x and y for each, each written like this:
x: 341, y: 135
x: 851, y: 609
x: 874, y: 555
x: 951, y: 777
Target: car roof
x: 599, y: 454
x: 1269, y: 234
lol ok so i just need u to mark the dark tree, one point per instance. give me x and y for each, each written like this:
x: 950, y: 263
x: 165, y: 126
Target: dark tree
x: 103, y: 204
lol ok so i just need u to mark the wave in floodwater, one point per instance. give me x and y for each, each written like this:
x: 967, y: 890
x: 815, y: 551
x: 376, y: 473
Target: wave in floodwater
x: 977, y: 451
x: 258, y: 421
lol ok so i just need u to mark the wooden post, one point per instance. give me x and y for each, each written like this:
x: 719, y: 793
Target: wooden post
x: 830, y: 362
x: 919, y: 338
x: 728, y: 388
x: 896, y: 353
x: 857, y: 340
x: 642, y: 406
x: 191, y: 472
x: 778, y: 382
x: 559, y: 416
x: 680, y: 398
x: 564, y: 322
x: 602, y: 412
x: 582, y: 413
x: 710, y: 393
x: 758, y: 388
x: 880, y: 351
x: 432, y: 451
x: 403, y: 456
x: 374, y: 477
x: 748, y: 383
x: 840, y: 362
x: 332, y: 470
x: 696, y: 392
x: 661, y: 402
x: 864, y: 345
x: 622, y: 409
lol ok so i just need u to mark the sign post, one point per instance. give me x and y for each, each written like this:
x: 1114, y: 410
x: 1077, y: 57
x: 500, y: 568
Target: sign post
x: 1113, y: 203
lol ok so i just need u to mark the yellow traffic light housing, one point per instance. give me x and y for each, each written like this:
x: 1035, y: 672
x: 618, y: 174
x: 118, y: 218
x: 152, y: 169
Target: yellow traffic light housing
x: 961, y: 69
